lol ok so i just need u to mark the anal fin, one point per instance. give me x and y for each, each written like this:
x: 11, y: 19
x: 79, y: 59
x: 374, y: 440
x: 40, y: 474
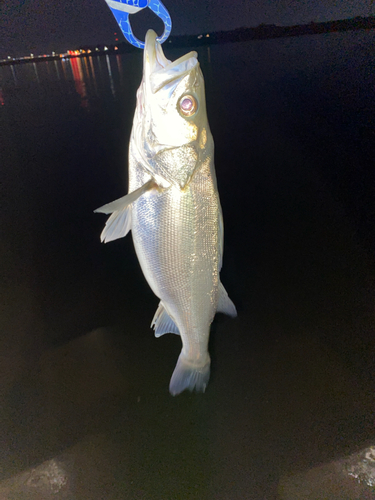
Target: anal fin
x: 163, y: 323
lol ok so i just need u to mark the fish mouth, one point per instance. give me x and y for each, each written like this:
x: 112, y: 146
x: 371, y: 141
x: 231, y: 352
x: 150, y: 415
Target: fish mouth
x: 158, y: 70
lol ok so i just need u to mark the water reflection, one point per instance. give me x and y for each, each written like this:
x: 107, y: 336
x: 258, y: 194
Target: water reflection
x: 110, y: 76
x: 89, y: 75
x: 93, y: 75
x: 36, y: 72
x: 100, y: 66
x: 85, y: 67
x: 57, y: 69
x: 14, y: 74
x: 119, y: 67
x: 79, y: 82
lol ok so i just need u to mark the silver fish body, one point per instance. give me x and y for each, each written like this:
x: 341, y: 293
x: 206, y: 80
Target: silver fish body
x: 173, y: 208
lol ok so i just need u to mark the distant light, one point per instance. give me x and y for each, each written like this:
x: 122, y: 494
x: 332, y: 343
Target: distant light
x: 97, y: 49
x: 31, y: 55
x: 207, y: 35
x: 116, y: 39
x: 116, y: 48
x: 200, y: 36
x: 53, y: 53
x: 89, y: 51
x: 105, y: 48
x: 9, y: 57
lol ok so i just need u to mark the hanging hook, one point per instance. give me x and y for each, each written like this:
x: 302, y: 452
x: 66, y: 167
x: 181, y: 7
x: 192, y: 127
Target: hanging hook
x: 122, y: 8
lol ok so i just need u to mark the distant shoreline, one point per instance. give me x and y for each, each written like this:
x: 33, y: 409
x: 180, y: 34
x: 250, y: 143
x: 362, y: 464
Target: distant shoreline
x: 261, y: 32
x: 265, y: 31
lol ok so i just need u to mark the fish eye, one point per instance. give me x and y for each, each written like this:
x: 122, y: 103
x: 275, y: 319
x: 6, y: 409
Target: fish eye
x: 188, y: 105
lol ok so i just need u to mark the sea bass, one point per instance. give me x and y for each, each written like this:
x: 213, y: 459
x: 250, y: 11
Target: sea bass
x: 173, y: 208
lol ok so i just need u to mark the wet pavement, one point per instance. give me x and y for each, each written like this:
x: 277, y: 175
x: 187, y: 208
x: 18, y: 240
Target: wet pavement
x: 82, y: 428
x: 289, y: 411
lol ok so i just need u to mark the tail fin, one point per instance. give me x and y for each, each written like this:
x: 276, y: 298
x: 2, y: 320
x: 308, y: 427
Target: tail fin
x: 189, y: 376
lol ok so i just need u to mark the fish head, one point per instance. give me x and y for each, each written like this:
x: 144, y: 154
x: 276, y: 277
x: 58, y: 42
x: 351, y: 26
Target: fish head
x: 171, y: 117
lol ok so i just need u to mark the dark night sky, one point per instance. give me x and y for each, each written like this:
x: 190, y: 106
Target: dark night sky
x: 40, y: 26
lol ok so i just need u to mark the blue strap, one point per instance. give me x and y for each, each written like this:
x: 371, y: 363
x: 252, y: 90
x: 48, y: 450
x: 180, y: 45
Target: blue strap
x: 121, y: 9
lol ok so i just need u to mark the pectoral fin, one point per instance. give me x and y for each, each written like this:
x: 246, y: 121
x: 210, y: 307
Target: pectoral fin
x: 163, y: 323
x: 119, y: 223
x: 225, y: 305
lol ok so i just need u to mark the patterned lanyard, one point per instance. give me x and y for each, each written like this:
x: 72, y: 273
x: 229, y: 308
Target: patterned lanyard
x: 122, y: 8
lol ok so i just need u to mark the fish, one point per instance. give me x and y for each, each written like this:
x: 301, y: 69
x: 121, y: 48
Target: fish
x: 173, y: 208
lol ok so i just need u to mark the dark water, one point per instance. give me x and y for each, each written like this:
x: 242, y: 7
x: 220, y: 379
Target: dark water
x: 84, y: 384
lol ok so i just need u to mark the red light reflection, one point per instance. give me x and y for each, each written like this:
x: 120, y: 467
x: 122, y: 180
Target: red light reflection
x: 79, y: 83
